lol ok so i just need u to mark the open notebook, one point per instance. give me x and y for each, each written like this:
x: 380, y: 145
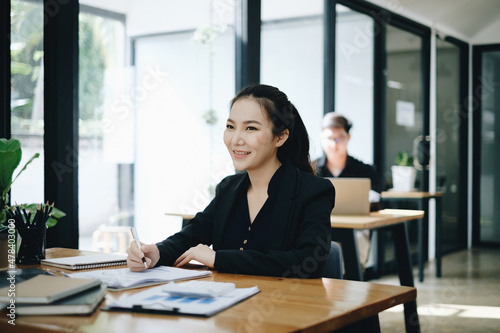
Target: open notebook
x: 123, y: 278
x: 85, y: 262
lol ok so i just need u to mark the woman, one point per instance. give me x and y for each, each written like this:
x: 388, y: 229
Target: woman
x: 274, y: 218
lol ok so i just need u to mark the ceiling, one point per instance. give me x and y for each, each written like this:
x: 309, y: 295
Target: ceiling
x: 464, y: 19
x: 468, y: 18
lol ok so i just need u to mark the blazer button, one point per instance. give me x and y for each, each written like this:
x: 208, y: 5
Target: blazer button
x: 241, y: 249
x: 245, y: 241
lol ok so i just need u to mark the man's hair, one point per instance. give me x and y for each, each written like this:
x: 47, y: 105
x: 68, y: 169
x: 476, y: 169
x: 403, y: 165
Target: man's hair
x: 336, y: 120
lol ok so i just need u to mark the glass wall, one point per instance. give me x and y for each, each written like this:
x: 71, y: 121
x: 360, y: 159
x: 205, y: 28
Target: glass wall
x: 490, y: 148
x: 449, y: 119
x: 105, y: 131
x: 185, y: 82
x: 404, y: 115
x: 292, y: 59
x: 354, y: 78
x: 27, y: 97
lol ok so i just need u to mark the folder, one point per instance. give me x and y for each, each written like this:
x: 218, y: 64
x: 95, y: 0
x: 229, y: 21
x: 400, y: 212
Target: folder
x: 44, y: 289
x: 80, y: 304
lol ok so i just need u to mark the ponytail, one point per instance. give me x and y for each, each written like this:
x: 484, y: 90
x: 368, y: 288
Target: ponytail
x: 283, y: 115
x: 296, y: 147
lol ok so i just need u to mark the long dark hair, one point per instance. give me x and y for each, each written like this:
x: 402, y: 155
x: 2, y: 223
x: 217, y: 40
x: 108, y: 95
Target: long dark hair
x: 283, y: 115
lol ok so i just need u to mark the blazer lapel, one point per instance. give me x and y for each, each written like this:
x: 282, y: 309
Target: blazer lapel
x: 225, y: 206
x: 283, y: 208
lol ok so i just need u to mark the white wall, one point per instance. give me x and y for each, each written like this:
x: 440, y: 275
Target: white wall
x: 118, y: 6
x: 489, y: 35
x: 279, y: 9
x: 468, y: 20
x: 158, y: 16
x: 147, y: 17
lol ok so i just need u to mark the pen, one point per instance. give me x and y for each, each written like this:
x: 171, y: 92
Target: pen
x: 136, y: 238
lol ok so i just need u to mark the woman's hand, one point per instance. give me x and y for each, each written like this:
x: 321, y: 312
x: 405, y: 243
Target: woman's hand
x: 201, y: 253
x: 134, y: 259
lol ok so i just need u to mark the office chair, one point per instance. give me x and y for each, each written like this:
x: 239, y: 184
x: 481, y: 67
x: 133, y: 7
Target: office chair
x: 333, y: 266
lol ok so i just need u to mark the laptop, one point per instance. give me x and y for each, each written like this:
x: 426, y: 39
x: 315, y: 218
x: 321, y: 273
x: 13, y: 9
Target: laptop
x: 351, y: 196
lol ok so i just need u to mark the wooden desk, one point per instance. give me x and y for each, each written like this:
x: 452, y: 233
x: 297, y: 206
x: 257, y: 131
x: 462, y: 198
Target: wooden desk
x: 283, y: 305
x: 185, y: 217
x: 423, y: 201
x: 343, y: 227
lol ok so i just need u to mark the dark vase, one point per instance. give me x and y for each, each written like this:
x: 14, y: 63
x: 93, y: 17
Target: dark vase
x: 32, y: 245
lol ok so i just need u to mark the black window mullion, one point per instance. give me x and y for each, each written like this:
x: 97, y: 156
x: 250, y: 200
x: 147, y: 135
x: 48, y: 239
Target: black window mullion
x: 61, y: 118
x: 330, y: 21
x: 5, y: 86
x: 425, y: 104
x: 379, y: 96
x: 247, y: 45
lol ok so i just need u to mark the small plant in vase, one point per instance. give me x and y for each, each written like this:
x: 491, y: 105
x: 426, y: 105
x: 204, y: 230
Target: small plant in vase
x: 403, y: 172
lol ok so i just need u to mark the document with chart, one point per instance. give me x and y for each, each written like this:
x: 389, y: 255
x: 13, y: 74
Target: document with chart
x: 157, y: 300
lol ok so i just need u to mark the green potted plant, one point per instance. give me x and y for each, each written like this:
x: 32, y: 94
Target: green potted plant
x: 10, y: 157
x: 403, y: 172
x: 32, y: 246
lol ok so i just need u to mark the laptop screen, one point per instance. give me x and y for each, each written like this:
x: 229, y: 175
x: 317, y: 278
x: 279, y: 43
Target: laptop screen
x: 351, y: 196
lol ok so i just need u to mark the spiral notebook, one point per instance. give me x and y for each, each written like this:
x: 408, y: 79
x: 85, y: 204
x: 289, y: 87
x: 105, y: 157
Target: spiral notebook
x: 85, y: 262
x: 44, y: 289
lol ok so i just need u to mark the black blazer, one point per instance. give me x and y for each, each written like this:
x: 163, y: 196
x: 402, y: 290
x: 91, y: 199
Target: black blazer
x: 299, y: 235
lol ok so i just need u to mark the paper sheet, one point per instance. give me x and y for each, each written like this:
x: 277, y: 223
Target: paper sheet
x: 123, y: 278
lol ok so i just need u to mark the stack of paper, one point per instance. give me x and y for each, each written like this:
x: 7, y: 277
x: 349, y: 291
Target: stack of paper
x: 123, y: 278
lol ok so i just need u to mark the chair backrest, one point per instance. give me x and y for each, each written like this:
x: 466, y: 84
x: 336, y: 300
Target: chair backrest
x: 333, y: 268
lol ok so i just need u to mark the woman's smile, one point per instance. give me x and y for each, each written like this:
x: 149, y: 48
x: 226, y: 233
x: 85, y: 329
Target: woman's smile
x: 240, y: 154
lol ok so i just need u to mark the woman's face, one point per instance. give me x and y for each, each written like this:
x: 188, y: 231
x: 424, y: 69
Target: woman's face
x: 334, y: 142
x: 249, y: 137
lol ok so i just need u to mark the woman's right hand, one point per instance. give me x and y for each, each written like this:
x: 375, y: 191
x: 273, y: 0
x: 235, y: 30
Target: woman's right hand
x: 134, y: 259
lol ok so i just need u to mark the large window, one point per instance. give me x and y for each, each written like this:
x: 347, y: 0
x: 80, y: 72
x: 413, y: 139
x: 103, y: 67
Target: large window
x: 404, y: 114
x: 27, y: 96
x: 292, y: 59
x: 489, y: 209
x: 151, y: 130
x: 354, y: 78
x: 105, y: 126
x: 404, y: 109
x: 185, y: 82
x: 449, y: 158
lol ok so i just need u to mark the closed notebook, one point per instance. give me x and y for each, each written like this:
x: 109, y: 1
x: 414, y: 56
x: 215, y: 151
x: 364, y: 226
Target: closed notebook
x: 80, y: 304
x: 84, y: 262
x: 45, y: 289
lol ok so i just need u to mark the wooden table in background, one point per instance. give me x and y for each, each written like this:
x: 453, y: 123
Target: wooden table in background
x: 422, y: 199
x: 283, y: 305
x: 185, y: 217
x: 394, y: 220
